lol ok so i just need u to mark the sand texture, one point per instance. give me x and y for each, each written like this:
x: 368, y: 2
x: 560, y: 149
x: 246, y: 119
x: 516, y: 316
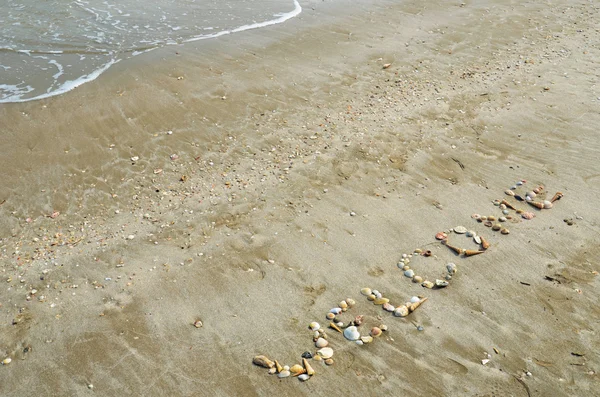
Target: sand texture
x: 254, y: 181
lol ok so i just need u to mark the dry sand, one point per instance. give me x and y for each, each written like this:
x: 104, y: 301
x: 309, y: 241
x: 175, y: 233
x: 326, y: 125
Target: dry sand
x: 280, y: 134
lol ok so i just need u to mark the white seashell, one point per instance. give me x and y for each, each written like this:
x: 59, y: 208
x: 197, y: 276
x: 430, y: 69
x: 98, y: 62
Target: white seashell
x: 404, y: 255
x: 286, y: 367
x: 359, y: 342
x: 477, y: 239
x: 351, y: 333
x: 351, y: 302
x: 528, y: 198
x: 335, y: 310
x: 304, y: 377
x: 519, y: 183
x: 548, y: 204
x: 283, y: 374
x: 415, y: 299
x: 400, y: 265
x: 6, y: 361
x: 460, y: 229
x: 451, y: 267
x: 366, y: 339
x: 409, y: 273
x: 321, y: 343
x: 326, y: 352
x: 343, y: 305
x: 314, y: 326
x: 471, y: 233
x: 375, y: 292
x: 531, y: 194
x: 378, y: 295
x: 366, y: 291
x: 401, y: 311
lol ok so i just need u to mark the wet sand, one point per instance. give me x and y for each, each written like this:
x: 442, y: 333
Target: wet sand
x: 270, y: 184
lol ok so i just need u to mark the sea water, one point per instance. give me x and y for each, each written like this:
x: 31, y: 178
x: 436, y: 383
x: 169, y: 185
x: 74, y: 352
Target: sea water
x: 48, y: 47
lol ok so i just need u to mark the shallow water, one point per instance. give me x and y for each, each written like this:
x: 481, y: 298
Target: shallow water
x: 47, y: 48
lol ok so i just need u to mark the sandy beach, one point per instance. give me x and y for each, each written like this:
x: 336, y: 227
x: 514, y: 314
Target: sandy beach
x: 254, y: 181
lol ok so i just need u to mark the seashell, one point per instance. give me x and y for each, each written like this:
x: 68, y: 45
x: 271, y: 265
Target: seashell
x: 304, y: 377
x: 334, y: 326
x: 496, y: 227
x: 321, y: 342
x: 513, y: 187
x: 441, y: 283
x: 475, y: 216
x: 309, y: 370
x: 400, y: 264
x: 336, y: 310
x: 477, y: 239
x: 471, y: 233
x: 441, y: 236
x: 520, y: 183
x: 198, y: 324
x: 316, y: 335
x: 484, y: 218
x: 343, y: 305
x: 297, y: 369
x: 417, y: 251
x: 339, y: 324
x: 548, y: 204
x: 556, y: 197
x: 536, y: 204
x: 531, y: 194
x: 330, y: 316
x: 488, y: 224
x: 371, y: 297
x: 377, y: 295
x: 380, y: 301
x: 505, y: 212
x: 460, y: 229
x: 316, y: 357
x: 451, y: 267
x: 283, y: 374
x: 473, y: 252
x: 505, y: 231
x: 508, y: 205
x: 401, y: 311
x: 286, y: 367
x: 388, y: 307
x: 386, y: 65
x: 263, y: 361
x: 496, y: 202
x: 414, y: 299
x: 491, y: 218
x: 375, y: 332
x: 278, y: 367
x: 427, y: 284
x: 358, y: 320
x: 366, y: 339
x: 383, y: 327
x: 417, y: 279
x: 455, y: 249
x: 509, y: 192
x: 272, y: 371
x: 375, y: 292
x: 519, y: 198
x: 351, y: 302
x: 409, y: 273
x: 351, y: 333
x: 528, y: 215
x: 426, y: 253
x: 414, y: 306
x: 502, y: 219
x: 314, y: 326
x: 329, y: 361
x: 538, y: 189
x: 366, y: 291
x: 485, y: 244
x: 405, y: 267
x: 448, y: 277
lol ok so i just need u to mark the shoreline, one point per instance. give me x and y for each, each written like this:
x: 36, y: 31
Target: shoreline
x: 241, y: 217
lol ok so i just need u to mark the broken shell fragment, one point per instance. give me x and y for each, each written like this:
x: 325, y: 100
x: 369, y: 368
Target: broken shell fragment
x: 351, y: 333
x: 427, y: 284
x: 263, y: 361
x: 366, y: 339
x: 325, y: 353
x: 309, y: 370
x: 358, y: 320
x: 441, y: 283
x: 401, y: 311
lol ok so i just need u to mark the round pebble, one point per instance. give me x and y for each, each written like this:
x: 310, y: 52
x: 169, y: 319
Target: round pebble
x: 417, y: 279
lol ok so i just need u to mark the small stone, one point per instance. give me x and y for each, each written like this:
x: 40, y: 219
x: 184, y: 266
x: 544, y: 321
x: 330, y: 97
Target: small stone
x: 451, y: 267
x: 471, y: 233
x: 307, y: 355
x: 441, y: 283
x: 460, y: 229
